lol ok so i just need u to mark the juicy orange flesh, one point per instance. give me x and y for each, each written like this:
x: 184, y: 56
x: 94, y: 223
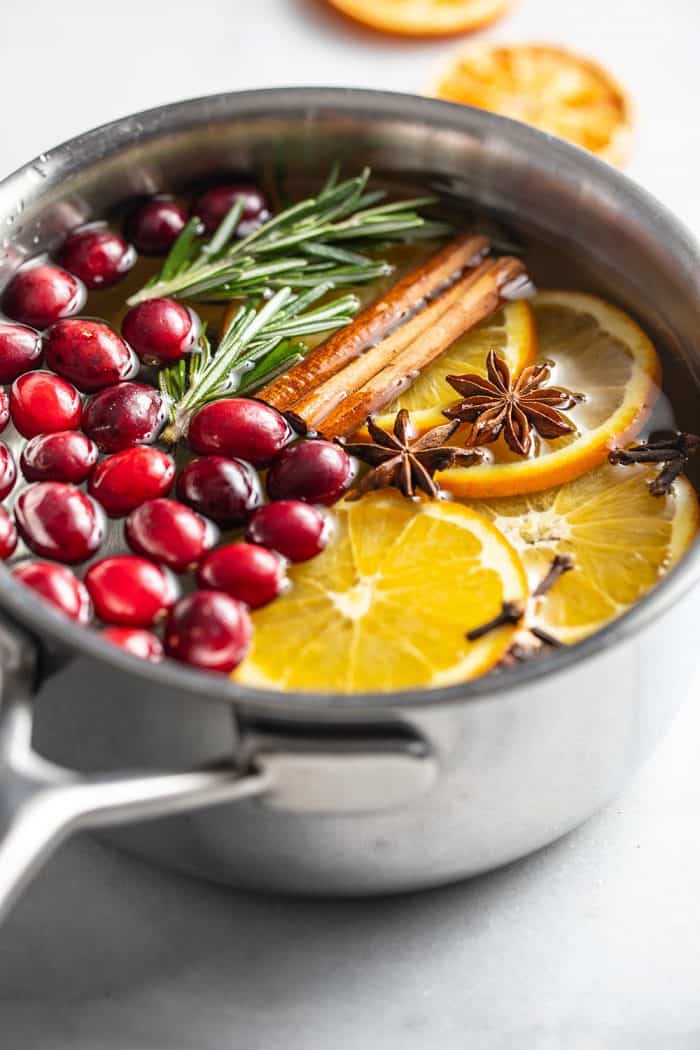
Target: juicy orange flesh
x: 422, y: 17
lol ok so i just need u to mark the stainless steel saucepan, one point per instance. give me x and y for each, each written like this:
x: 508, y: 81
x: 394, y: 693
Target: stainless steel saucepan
x: 325, y: 794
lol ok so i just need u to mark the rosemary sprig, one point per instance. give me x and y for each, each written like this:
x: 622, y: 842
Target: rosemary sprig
x: 307, y: 244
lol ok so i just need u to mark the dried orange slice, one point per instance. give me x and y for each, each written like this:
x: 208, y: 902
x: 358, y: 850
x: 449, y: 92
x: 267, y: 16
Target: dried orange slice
x: 423, y: 17
x: 597, y: 350
x: 387, y: 604
x: 622, y: 540
x: 546, y: 86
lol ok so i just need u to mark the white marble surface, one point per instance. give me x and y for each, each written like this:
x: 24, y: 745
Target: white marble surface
x: 593, y: 943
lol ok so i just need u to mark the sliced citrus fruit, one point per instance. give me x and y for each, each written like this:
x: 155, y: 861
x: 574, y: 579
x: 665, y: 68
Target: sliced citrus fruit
x: 622, y: 540
x: 546, y: 86
x: 510, y: 331
x: 423, y: 17
x: 387, y: 604
x: 597, y: 350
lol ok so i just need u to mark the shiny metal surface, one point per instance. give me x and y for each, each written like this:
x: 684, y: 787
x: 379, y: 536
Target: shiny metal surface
x: 523, y: 757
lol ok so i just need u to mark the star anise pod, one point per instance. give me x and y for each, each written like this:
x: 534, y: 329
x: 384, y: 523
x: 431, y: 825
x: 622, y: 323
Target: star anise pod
x: 513, y: 406
x: 671, y: 450
x: 400, y: 461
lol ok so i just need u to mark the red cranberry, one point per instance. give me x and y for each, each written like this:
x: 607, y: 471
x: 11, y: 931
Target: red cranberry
x: 245, y: 571
x: 291, y: 528
x: 122, y: 481
x: 4, y: 409
x: 8, y: 471
x: 239, y: 427
x: 155, y: 226
x: 123, y: 415
x: 41, y: 403
x: 20, y: 350
x: 65, y: 455
x: 57, y: 520
x: 160, y: 330
x: 98, y: 256
x: 40, y: 295
x: 225, y: 490
x: 169, y: 532
x: 88, y: 353
x: 208, y: 629
x: 130, y: 591
x: 314, y: 471
x: 58, y: 585
x: 214, y: 204
x: 135, y: 640
x: 8, y: 535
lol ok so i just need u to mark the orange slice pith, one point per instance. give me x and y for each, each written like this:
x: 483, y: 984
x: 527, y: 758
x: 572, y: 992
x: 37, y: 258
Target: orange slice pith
x: 422, y: 17
x: 599, y: 351
x: 548, y: 87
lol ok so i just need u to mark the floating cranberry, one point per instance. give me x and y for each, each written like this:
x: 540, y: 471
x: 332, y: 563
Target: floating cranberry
x: 66, y: 455
x: 88, y: 353
x: 135, y: 640
x: 57, y: 520
x: 225, y: 490
x: 314, y: 471
x: 40, y: 295
x: 8, y: 535
x: 130, y: 591
x: 98, y: 256
x: 155, y: 226
x: 123, y: 481
x: 123, y: 415
x: 169, y: 532
x: 291, y: 528
x: 239, y: 427
x: 160, y: 330
x: 245, y: 571
x: 20, y: 350
x: 58, y: 585
x: 4, y: 409
x: 41, y: 403
x: 214, y: 204
x: 8, y: 471
x: 209, y: 630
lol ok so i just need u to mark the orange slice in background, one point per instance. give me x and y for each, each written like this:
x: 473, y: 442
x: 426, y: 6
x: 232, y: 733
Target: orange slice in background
x: 596, y: 350
x: 548, y: 87
x: 423, y: 17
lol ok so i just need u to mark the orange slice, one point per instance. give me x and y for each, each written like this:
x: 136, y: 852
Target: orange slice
x: 422, y: 17
x: 546, y: 86
x: 597, y: 350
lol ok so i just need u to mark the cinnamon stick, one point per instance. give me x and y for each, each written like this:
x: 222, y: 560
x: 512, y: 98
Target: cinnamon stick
x: 373, y: 323
x: 483, y: 294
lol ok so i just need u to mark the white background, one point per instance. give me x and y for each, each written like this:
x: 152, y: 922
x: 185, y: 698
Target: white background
x: 593, y: 943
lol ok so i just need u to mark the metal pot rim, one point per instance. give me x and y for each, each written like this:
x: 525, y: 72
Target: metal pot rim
x: 42, y: 620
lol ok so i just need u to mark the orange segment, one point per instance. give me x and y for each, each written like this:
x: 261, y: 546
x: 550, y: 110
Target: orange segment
x: 422, y: 17
x: 546, y: 86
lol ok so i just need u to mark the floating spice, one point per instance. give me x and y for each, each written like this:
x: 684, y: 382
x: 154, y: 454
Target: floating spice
x: 672, y: 451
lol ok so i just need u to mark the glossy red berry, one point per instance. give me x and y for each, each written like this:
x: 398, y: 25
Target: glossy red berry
x: 135, y: 640
x: 214, y: 204
x: 155, y: 226
x: 97, y: 255
x: 129, y: 478
x: 58, y: 521
x: 124, y: 415
x: 20, y: 350
x: 245, y: 571
x: 209, y: 630
x: 160, y: 330
x: 8, y: 535
x: 8, y: 471
x: 88, y: 353
x: 40, y: 295
x: 41, y: 403
x: 4, y: 409
x: 239, y: 427
x: 130, y: 591
x: 291, y: 528
x: 225, y: 490
x: 66, y: 455
x: 314, y: 471
x: 169, y: 532
x: 58, y: 585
